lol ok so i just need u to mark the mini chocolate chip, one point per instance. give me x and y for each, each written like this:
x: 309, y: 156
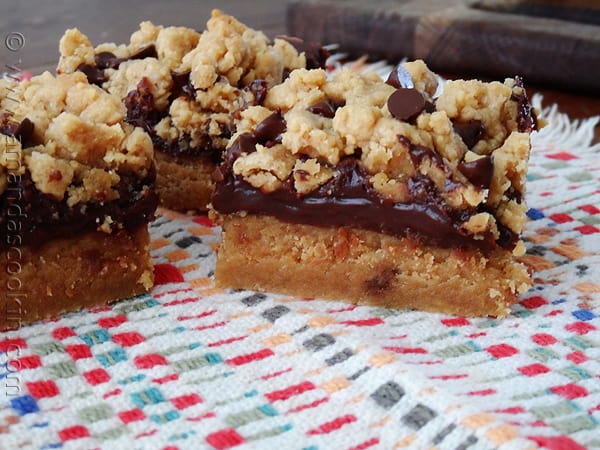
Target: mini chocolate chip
x: 400, y: 78
x: 270, y: 128
x: 479, y: 172
x: 258, y: 88
x: 324, y: 108
x: 471, y: 132
x: 406, y: 104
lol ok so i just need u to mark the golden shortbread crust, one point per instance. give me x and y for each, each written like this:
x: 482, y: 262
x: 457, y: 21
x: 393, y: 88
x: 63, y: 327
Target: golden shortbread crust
x: 73, y: 273
x: 364, y: 267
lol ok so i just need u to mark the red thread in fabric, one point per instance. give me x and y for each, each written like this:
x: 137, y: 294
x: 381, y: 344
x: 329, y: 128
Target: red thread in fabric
x: 96, y: 376
x: 580, y: 328
x: 224, y: 439
x: 62, y: 333
x: 74, y: 432
x: 149, y: 361
x: 456, y: 322
x: 167, y: 273
x: 128, y: 339
x: 533, y: 370
x: 569, y: 391
x: 78, y: 351
x: 502, y: 350
x: 26, y: 362
x: 543, y: 339
x: 366, y: 444
x: 336, y: 424
x: 42, y: 389
x: 365, y: 322
x: 534, y: 302
x: 250, y: 357
x: 185, y: 401
x: 132, y: 415
x: 290, y: 391
x: 110, y: 322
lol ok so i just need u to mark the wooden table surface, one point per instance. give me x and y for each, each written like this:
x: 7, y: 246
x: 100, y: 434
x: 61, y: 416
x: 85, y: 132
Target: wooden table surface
x: 30, y: 31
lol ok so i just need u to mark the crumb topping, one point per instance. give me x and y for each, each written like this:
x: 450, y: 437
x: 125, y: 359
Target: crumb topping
x: 191, y: 85
x: 77, y: 145
x: 464, y: 148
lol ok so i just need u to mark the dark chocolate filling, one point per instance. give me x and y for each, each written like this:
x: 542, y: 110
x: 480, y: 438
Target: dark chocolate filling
x: 348, y: 199
x: 36, y: 217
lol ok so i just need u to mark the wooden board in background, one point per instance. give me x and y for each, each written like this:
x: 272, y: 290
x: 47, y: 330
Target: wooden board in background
x: 488, y: 38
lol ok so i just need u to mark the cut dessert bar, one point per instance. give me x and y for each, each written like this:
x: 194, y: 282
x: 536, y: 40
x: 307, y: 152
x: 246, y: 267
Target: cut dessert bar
x: 186, y: 89
x: 379, y: 193
x: 76, y: 195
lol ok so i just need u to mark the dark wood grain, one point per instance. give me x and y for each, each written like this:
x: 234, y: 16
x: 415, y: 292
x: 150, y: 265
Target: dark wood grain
x: 487, y: 37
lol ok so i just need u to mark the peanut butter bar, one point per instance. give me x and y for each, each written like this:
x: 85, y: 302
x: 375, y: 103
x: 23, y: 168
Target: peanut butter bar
x: 76, y: 195
x: 380, y: 193
x: 185, y: 88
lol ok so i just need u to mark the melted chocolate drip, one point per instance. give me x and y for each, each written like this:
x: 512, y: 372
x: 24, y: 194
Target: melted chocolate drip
x: 526, y: 118
x: 315, y: 54
x: 140, y: 106
x: 40, y: 217
x: 107, y: 60
x: 471, y: 132
x: 270, y: 129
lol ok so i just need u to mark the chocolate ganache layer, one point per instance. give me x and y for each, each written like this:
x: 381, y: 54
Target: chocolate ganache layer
x: 349, y: 199
x: 34, y: 217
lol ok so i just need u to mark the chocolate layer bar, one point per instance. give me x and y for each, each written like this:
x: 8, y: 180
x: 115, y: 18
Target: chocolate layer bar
x: 387, y: 193
x: 76, y: 195
x: 186, y: 88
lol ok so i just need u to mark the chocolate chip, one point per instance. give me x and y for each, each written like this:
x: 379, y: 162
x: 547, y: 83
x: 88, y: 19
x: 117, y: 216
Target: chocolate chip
x: 400, y: 78
x: 479, y: 172
x: 406, y: 104
x: 107, y: 60
x: 270, y: 128
x: 22, y: 131
x: 419, y: 152
x: 471, y: 132
x: 146, y: 52
x: 94, y: 74
x: 258, y: 88
x: 182, y: 85
x: 324, y: 108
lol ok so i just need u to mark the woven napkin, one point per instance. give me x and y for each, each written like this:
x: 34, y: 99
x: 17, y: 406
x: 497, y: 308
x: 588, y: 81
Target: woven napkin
x: 189, y: 366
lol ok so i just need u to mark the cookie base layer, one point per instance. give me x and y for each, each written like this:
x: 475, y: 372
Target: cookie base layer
x: 184, y: 184
x: 69, y: 274
x: 364, y: 267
